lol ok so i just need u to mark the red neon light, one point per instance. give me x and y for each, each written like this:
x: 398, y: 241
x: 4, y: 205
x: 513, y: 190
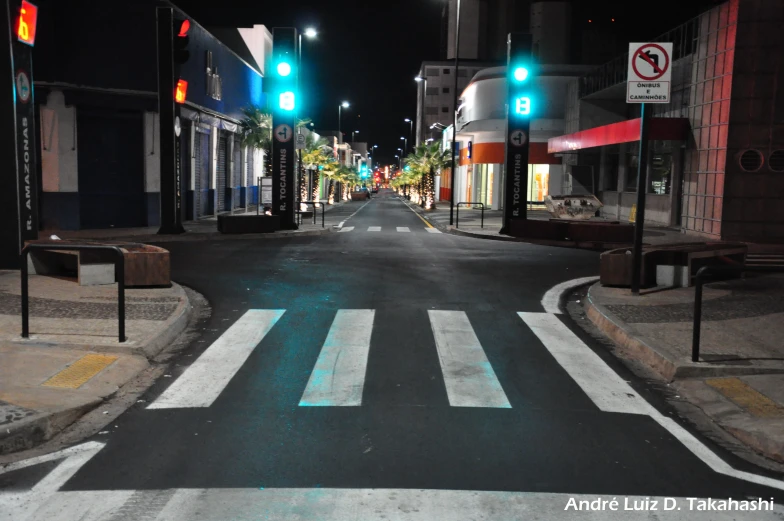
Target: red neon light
x: 25, y: 25
x: 184, y: 28
x: 181, y: 92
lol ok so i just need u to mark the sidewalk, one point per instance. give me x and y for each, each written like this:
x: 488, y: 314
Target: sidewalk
x: 73, y: 359
x: 739, y: 381
x: 207, y: 228
x: 469, y: 224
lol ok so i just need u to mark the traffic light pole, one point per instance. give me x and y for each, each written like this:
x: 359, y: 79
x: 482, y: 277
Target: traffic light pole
x: 19, y: 170
x: 517, y: 132
x: 284, y: 49
x: 172, y: 209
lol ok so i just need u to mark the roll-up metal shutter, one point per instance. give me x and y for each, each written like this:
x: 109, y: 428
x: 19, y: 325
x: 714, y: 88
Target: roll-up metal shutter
x: 222, y: 170
x: 237, y: 175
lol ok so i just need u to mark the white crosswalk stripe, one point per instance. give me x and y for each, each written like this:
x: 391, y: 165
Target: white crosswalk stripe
x: 603, y: 386
x: 399, y: 229
x: 374, y: 228
x: 339, y: 375
x: 201, y: 384
x: 346, y: 229
x: 432, y: 230
x: 469, y: 377
x: 403, y: 229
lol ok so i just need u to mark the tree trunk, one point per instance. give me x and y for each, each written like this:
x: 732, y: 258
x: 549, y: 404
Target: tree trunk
x: 331, y: 193
x: 430, y: 190
x: 316, y: 181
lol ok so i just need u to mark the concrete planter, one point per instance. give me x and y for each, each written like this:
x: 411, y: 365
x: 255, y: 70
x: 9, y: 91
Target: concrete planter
x: 358, y: 196
x: 146, y: 266
x: 238, y: 224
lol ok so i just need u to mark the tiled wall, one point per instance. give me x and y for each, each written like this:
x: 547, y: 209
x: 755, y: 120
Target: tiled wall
x: 754, y: 200
x: 709, y: 114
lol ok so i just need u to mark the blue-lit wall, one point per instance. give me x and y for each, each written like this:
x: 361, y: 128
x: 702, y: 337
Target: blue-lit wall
x: 81, y: 43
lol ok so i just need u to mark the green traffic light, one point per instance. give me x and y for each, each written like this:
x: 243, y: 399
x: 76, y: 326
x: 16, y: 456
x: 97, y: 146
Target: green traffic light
x: 284, y: 69
x: 520, y: 73
x: 286, y: 100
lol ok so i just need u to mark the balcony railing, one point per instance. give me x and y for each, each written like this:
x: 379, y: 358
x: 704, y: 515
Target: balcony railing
x: 683, y: 37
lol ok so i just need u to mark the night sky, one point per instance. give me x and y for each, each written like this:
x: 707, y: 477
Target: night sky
x: 368, y: 52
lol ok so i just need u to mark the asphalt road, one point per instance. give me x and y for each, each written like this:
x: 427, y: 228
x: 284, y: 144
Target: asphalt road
x: 389, y: 372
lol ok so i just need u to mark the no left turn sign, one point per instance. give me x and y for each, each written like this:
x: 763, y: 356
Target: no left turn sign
x: 651, y: 62
x: 649, y: 72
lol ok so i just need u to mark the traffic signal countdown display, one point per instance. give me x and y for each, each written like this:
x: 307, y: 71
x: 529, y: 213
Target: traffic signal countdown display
x: 283, y: 103
x: 521, y: 106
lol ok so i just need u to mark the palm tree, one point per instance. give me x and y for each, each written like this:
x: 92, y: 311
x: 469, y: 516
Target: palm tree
x: 425, y: 161
x: 256, y: 128
x: 319, y: 158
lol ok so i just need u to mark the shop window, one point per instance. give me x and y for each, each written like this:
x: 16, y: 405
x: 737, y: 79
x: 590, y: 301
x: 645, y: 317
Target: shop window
x: 632, y: 164
x: 538, y: 182
x: 611, y: 172
x: 660, y: 173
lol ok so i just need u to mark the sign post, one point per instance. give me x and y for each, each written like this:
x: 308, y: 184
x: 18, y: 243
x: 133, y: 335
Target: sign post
x: 649, y: 77
x: 19, y: 206
x: 518, y: 121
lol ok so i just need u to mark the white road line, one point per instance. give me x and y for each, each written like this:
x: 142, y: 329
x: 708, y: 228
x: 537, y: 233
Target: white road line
x: 22, y: 506
x: 603, y: 386
x: 339, y: 374
x: 694, y: 445
x: 330, y: 504
x: 201, y: 384
x: 469, y: 377
x: 403, y: 229
x: 432, y: 230
x: 355, y: 213
x: 552, y: 299
x: 346, y: 229
x: 374, y: 228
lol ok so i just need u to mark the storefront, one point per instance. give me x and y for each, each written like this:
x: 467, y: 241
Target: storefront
x: 481, y: 136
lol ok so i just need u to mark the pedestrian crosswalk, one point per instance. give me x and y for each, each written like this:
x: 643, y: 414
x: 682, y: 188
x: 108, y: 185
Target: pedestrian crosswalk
x: 398, y: 229
x: 338, y: 376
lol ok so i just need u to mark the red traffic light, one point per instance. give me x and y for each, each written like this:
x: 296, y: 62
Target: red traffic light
x: 181, y: 92
x: 25, y: 25
x: 184, y: 28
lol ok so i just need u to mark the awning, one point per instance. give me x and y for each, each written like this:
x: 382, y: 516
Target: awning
x: 662, y: 129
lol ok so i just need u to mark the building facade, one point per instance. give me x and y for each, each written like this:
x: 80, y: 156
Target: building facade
x: 98, y: 119
x: 716, y: 162
x: 481, y: 134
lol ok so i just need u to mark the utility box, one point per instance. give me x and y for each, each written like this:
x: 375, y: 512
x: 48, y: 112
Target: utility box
x: 572, y: 207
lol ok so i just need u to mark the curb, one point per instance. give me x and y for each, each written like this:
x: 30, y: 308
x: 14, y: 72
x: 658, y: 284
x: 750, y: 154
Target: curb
x: 176, y: 324
x: 669, y: 369
x: 216, y: 236
x: 32, y: 431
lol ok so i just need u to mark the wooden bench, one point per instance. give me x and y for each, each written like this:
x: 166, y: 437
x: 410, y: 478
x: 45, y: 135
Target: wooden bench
x: 615, y: 266
x: 145, y: 265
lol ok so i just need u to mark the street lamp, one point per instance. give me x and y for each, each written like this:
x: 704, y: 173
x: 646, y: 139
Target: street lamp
x: 352, y: 135
x: 410, y: 128
x: 454, y: 118
x: 405, y: 143
x: 342, y: 106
